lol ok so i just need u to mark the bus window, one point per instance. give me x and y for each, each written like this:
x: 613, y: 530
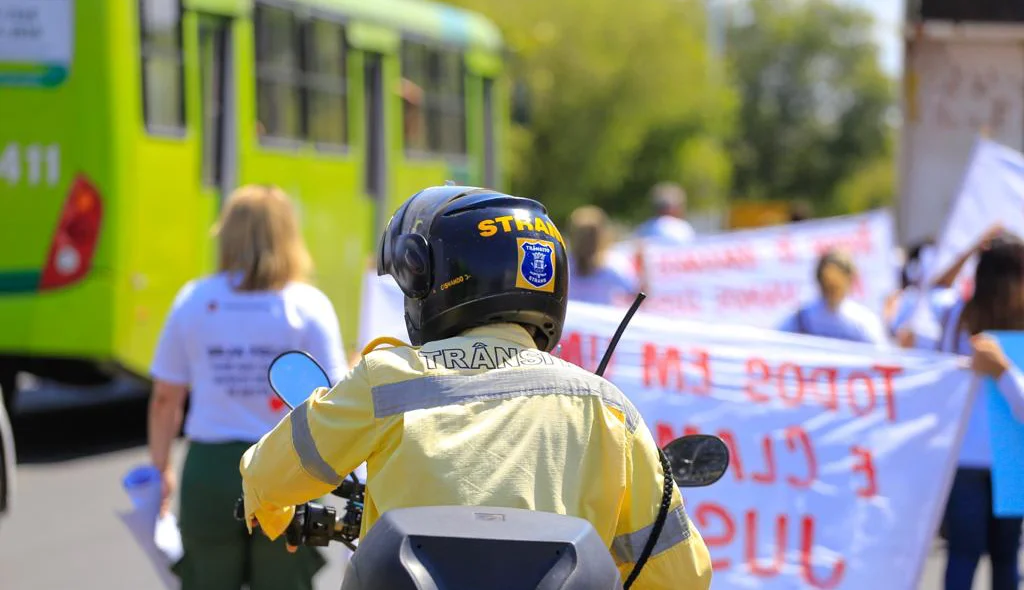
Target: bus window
x: 451, y: 103
x: 213, y: 41
x: 163, y: 101
x: 325, y: 83
x: 437, y: 78
x: 414, y: 122
x: 278, y: 104
x: 490, y: 139
x: 376, y: 155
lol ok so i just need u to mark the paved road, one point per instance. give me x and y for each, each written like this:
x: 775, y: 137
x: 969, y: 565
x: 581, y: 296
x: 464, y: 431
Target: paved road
x: 64, y: 533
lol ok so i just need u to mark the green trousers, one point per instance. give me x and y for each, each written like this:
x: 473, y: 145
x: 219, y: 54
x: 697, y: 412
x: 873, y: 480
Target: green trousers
x: 220, y: 554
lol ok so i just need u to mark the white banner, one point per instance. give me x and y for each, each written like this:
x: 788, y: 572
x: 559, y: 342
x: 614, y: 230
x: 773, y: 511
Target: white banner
x: 992, y: 193
x: 842, y: 456
x: 382, y: 310
x: 759, y: 277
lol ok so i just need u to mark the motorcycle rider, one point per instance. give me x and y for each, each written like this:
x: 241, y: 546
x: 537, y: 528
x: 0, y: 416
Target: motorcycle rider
x: 477, y: 412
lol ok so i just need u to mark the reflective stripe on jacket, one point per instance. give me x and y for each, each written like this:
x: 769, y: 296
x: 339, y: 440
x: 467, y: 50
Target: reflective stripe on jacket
x: 481, y: 419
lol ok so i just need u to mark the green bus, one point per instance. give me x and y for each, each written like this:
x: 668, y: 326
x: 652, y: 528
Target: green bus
x: 126, y: 122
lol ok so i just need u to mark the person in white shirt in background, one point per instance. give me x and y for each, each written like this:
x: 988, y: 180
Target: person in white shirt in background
x: 917, y: 326
x: 219, y: 339
x: 834, y: 314
x: 971, y: 527
x: 593, y: 277
x: 669, y: 225
x: 901, y: 308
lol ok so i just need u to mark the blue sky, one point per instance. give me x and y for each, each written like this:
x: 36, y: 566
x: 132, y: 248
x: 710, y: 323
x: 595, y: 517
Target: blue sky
x: 889, y: 17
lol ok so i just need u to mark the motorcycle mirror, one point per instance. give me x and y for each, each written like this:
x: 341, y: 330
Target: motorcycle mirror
x: 294, y: 375
x: 697, y: 460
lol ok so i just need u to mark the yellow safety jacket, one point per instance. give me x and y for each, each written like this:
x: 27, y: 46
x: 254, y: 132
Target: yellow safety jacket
x: 481, y: 419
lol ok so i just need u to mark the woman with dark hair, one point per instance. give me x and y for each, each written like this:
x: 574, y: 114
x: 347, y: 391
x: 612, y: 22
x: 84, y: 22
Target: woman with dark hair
x: 997, y: 304
x: 834, y: 314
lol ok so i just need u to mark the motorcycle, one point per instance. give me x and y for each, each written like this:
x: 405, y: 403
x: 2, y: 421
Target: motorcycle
x: 456, y: 547
x: 449, y: 547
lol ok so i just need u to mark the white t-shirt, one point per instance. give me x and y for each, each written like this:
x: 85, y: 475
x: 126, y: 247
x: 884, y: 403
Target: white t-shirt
x: 607, y: 285
x: 221, y: 342
x: 852, y: 321
x: 938, y: 298
x: 666, y: 229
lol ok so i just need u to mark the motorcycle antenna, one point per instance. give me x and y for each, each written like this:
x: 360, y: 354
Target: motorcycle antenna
x: 618, y: 333
x: 666, y: 496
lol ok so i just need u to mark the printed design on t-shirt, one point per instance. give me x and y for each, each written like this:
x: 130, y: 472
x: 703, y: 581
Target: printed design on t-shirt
x: 241, y: 370
x: 276, y: 404
x: 536, y: 268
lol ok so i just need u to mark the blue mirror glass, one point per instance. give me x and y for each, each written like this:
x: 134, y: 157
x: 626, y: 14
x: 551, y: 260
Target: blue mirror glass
x: 294, y: 376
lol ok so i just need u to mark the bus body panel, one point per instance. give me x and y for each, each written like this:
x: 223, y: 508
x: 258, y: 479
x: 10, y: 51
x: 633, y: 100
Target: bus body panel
x: 63, y: 134
x: 327, y: 186
x: 157, y: 213
x: 169, y: 217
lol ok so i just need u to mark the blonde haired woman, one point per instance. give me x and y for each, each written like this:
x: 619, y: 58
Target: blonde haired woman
x: 593, y: 277
x: 219, y: 339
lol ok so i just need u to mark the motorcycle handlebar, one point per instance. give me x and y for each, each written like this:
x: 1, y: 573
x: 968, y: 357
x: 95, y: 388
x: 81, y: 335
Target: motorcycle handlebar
x: 350, y: 490
x: 316, y: 525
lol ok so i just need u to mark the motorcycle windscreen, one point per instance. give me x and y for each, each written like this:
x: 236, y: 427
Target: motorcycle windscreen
x: 455, y: 547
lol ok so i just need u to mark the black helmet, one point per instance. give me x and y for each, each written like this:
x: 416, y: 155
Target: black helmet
x: 466, y: 257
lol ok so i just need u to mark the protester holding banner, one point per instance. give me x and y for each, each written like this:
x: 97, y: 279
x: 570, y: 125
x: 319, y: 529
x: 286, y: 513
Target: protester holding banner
x: 922, y: 329
x: 669, y: 225
x: 757, y: 277
x: 215, y: 348
x: 918, y: 258
x: 905, y: 301
x: 972, y: 528
x: 834, y: 314
x: 592, y: 278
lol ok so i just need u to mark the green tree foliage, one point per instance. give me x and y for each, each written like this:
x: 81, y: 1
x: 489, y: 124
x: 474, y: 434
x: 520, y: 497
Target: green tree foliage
x: 814, y: 100
x: 871, y: 187
x: 620, y: 98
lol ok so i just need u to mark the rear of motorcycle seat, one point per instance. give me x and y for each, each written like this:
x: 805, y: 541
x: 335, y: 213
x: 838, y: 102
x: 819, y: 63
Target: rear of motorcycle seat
x: 470, y: 547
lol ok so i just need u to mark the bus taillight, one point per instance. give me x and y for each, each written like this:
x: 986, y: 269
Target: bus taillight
x: 74, y: 243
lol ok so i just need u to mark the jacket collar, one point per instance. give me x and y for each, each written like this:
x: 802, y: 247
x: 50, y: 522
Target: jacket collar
x: 505, y: 331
